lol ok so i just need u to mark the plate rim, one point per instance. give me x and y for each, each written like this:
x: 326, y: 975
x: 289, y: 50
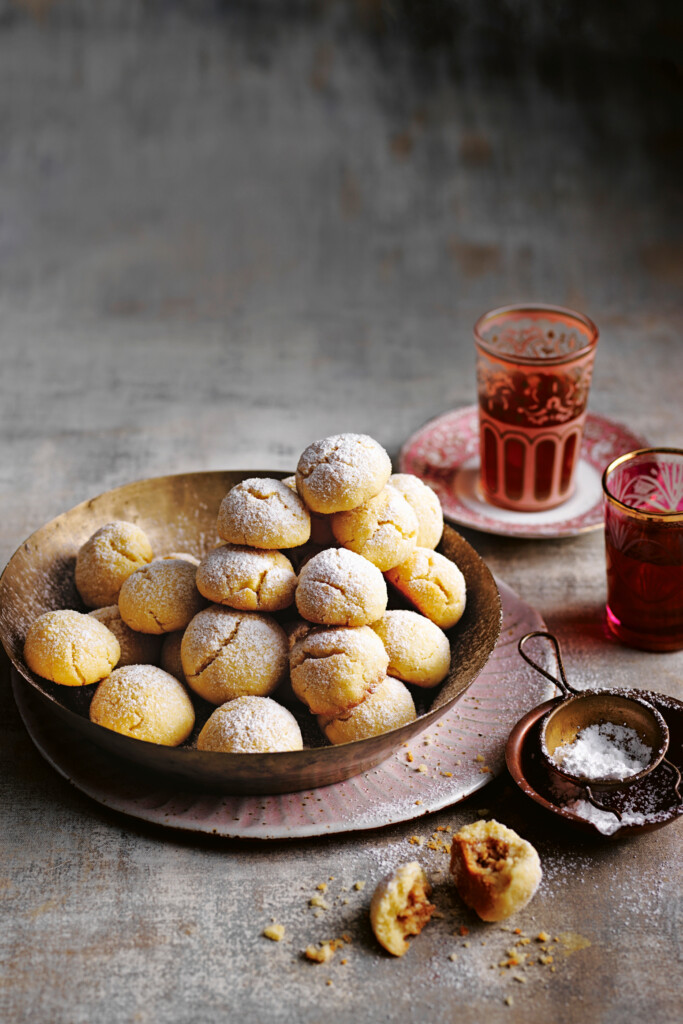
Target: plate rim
x: 436, y: 803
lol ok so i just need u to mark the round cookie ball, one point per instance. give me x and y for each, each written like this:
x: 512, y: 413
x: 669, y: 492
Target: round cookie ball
x: 228, y: 654
x: 388, y: 707
x: 332, y: 670
x: 383, y: 530
x: 146, y: 703
x: 418, y: 650
x: 160, y: 597
x: 425, y: 504
x: 249, y: 579
x: 433, y: 584
x: 341, y: 472
x: 107, y: 559
x: 251, y: 725
x: 136, y: 648
x: 70, y: 648
x: 263, y: 513
x: 170, y: 654
x: 339, y: 588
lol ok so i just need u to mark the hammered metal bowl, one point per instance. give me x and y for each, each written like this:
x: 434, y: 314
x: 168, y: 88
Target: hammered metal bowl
x: 178, y: 513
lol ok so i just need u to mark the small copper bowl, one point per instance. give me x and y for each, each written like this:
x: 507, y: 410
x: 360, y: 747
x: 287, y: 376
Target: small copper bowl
x: 580, y: 708
x: 178, y: 513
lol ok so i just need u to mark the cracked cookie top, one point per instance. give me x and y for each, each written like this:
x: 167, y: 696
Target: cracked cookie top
x: 383, y: 530
x: 107, y: 559
x: 433, y: 584
x: 340, y: 588
x: 146, y: 703
x: 261, y: 512
x: 161, y: 597
x: 334, y: 669
x: 227, y: 654
x: 340, y: 472
x: 70, y: 648
x: 250, y: 579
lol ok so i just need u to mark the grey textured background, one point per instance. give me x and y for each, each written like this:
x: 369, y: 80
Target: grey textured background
x: 227, y: 229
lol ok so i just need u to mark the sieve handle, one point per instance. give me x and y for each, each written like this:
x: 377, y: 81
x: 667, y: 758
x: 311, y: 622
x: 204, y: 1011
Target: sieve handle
x: 560, y: 682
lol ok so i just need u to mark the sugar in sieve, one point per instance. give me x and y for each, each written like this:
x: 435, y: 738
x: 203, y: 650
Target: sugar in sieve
x: 579, y: 709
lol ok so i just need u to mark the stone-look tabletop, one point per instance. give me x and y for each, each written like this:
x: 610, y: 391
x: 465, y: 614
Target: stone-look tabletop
x: 225, y: 231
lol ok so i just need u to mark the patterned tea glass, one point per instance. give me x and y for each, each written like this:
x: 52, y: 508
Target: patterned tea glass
x: 643, y: 499
x: 534, y: 368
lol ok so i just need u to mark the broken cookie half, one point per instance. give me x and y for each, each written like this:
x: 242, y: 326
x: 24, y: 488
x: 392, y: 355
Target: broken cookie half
x: 400, y: 907
x: 495, y: 871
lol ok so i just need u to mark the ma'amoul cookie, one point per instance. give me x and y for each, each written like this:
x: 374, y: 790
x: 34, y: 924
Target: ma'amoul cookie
x: 383, y: 530
x: 145, y: 702
x: 418, y: 650
x: 339, y: 588
x: 227, y: 654
x: 332, y: 670
x: 249, y: 579
x: 107, y: 559
x: 251, y: 725
x: 340, y: 472
x: 425, y: 504
x: 400, y: 907
x: 433, y: 584
x: 161, y: 597
x: 136, y: 648
x: 70, y: 648
x: 263, y: 513
x: 495, y: 871
x: 388, y: 707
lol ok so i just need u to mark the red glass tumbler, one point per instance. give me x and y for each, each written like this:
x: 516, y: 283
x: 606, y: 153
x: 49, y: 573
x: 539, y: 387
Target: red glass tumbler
x: 534, y: 368
x: 643, y: 500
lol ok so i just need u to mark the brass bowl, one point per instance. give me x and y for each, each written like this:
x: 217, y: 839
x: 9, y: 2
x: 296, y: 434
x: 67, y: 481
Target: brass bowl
x: 178, y: 513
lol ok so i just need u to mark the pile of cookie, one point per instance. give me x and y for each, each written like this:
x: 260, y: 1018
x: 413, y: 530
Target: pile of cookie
x: 293, y: 603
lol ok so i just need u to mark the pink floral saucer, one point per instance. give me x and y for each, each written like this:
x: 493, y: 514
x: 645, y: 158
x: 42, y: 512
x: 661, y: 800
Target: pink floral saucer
x: 445, y: 454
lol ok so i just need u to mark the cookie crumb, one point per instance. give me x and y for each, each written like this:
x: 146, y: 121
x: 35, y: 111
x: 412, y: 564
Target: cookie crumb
x: 542, y: 937
x: 322, y: 886
x: 318, y: 901
x: 359, y: 886
x: 275, y: 932
x: 453, y: 956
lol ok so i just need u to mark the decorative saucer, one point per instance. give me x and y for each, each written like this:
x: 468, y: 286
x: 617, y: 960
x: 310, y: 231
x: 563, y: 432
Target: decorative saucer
x: 451, y: 759
x: 646, y: 805
x: 445, y: 454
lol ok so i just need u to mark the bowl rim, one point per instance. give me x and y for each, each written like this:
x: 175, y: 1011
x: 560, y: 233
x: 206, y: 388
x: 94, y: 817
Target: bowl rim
x: 226, y: 759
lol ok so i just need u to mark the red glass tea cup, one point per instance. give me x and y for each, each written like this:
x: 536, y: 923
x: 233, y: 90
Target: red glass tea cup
x: 534, y: 368
x: 643, y: 501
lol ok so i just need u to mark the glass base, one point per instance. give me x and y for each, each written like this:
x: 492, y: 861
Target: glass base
x: 643, y: 641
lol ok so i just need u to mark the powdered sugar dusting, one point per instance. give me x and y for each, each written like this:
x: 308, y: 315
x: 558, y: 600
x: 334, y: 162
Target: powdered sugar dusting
x: 251, y: 725
x: 604, y: 750
x: 263, y: 512
x: 340, y: 587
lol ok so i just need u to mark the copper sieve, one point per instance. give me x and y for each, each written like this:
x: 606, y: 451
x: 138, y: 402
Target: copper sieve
x: 581, y: 708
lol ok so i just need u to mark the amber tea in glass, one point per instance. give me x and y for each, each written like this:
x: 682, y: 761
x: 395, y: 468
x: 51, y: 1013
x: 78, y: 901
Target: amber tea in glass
x: 643, y: 500
x: 534, y: 367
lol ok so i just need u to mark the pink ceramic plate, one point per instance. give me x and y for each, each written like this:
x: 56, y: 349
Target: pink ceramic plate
x: 460, y: 754
x: 445, y: 454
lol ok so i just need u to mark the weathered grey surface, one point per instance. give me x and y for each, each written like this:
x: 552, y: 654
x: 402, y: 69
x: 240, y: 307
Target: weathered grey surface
x: 225, y: 231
